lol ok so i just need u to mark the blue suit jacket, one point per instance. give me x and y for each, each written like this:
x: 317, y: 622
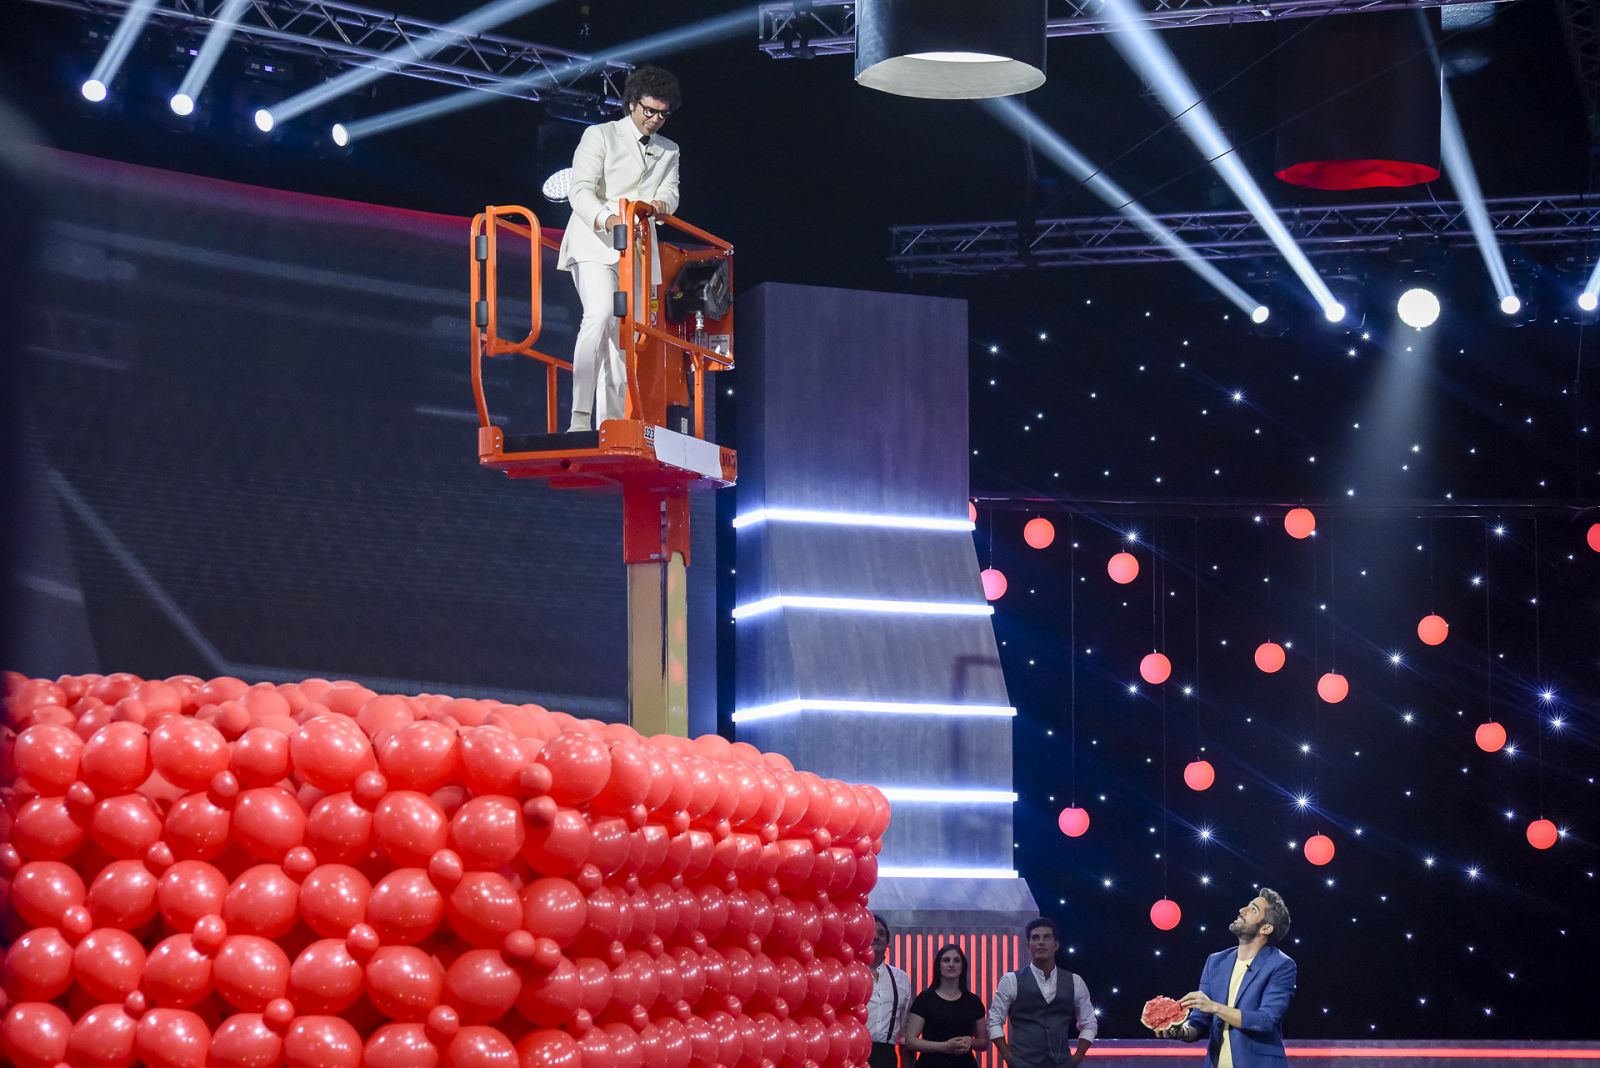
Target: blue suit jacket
x: 1264, y: 995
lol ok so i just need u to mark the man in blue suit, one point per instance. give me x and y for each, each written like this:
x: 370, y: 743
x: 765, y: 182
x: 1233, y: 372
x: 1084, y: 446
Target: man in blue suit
x: 1244, y: 992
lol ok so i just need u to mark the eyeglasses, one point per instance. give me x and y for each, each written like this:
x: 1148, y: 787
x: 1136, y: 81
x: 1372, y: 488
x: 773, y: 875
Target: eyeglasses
x: 651, y: 113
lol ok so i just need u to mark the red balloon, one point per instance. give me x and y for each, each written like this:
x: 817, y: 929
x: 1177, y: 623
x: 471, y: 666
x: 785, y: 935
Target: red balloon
x: 552, y: 999
x: 400, y: 1046
x: 38, y: 966
x: 558, y: 840
x: 420, y: 756
x: 1165, y: 914
x: 321, y: 1042
x: 123, y: 895
x: 555, y: 909
x: 579, y: 767
x: 404, y: 982
x: 1490, y: 736
x: 410, y: 827
x: 1155, y: 668
x: 325, y: 979
x: 1039, y: 532
x: 330, y: 752
x: 333, y: 899
x: 250, y: 971
x: 491, y: 761
x: 545, y: 1049
x: 245, y: 1041
x: 1433, y: 630
x: 187, y: 752
x: 1123, y: 568
x: 34, y: 1034
x: 264, y: 901
x: 1299, y: 522
x: 1270, y: 657
x: 172, y: 1038
x: 481, y: 986
x: 116, y: 759
x: 1542, y: 834
x: 108, y: 964
x: 994, y: 583
x: 480, y: 1047
x: 195, y: 828
x: 1333, y: 687
x: 268, y: 821
x: 48, y: 828
x: 261, y: 757
x: 1594, y: 537
x: 189, y: 890
x: 125, y: 826
x: 176, y: 974
x: 1199, y: 775
x: 103, y: 1037
x: 46, y: 757
x: 405, y: 907
x: 383, y: 714
x: 43, y: 890
x: 1319, y: 849
x: 487, y: 832
x: 339, y: 830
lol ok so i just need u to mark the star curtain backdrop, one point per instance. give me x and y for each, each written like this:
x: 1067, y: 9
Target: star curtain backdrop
x: 1176, y: 416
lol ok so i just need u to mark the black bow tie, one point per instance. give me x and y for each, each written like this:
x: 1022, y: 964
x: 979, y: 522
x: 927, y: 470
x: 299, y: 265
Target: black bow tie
x: 645, y: 140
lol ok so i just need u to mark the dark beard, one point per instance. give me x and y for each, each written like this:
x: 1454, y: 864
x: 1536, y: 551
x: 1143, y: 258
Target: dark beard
x: 1245, y: 931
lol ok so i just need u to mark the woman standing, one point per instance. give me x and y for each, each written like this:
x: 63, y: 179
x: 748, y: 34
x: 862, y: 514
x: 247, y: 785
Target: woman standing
x: 945, y: 1024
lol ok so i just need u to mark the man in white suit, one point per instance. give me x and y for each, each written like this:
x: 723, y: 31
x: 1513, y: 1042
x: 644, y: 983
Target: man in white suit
x: 623, y: 160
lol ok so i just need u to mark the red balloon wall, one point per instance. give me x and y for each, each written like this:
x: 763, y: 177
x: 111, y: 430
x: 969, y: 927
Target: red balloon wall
x: 210, y: 874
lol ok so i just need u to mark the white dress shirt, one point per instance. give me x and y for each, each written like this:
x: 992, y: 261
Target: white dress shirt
x: 1006, y: 994
x: 886, y: 1009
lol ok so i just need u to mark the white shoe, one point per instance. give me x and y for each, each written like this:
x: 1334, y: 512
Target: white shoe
x: 580, y: 421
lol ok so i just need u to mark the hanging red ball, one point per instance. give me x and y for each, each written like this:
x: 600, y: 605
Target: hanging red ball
x: 1199, y: 775
x: 1490, y: 736
x: 1594, y: 537
x: 1073, y: 821
x: 994, y: 584
x: 1333, y: 687
x: 1155, y: 669
x: 1542, y: 834
x: 1123, y: 568
x: 1165, y: 914
x: 1319, y: 849
x: 972, y: 512
x: 1300, y: 523
x: 1270, y: 657
x: 1039, y: 533
x: 1433, y: 630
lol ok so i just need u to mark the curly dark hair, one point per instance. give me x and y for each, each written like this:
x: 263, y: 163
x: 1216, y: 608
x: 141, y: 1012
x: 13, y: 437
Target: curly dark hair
x: 1277, y: 914
x: 653, y: 82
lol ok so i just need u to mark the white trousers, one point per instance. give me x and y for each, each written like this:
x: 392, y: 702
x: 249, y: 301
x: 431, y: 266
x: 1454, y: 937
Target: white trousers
x: 599, y: 371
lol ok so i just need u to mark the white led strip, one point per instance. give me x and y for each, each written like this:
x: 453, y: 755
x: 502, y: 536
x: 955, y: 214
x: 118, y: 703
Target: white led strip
x: 862, y: 604
x: 851, y: 519
x: 923, y: 708
x: 890, y: 872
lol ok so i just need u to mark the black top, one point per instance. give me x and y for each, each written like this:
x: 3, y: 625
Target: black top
x: 947, y: 1019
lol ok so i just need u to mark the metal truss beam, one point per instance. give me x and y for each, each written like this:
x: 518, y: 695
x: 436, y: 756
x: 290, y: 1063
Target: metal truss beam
x: 984, y: 247
x: 348, y: 35
x: 806, y: 28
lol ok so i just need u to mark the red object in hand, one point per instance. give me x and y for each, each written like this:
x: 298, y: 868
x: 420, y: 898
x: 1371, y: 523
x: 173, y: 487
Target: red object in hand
x: 1161, y: 1013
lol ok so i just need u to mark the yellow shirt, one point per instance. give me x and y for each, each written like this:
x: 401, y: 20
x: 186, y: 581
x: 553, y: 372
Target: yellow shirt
x: 1225, y: 1054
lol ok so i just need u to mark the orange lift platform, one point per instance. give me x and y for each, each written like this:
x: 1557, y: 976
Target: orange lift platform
x: 673, y: 335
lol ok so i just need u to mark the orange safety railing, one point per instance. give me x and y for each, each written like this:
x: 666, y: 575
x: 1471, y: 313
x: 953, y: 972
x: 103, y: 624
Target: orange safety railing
x: 636, y: 331
x: 485, y: 269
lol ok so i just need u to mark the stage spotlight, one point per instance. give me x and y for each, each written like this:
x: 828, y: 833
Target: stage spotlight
x: 1260, y: 314
x: 94, y: 90
x: 265, y: 121
x: 1418, y: 308
x: 1588, y: 301
x: 1510, y: 305
x: 1334, y: 312
x: 340, y: 135
x: 950, y: 49
x: 557, y: 186
x: 181, y: 104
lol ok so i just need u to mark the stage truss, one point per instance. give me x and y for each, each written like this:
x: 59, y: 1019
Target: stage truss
x: 348, y: 35
x: 807, y: 28
x: 982, y: 247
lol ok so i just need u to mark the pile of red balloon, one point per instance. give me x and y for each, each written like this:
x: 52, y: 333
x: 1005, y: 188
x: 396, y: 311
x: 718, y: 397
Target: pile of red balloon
x: 209, y: 874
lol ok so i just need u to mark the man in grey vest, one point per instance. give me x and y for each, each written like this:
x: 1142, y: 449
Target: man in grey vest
x: 1042, y: 1003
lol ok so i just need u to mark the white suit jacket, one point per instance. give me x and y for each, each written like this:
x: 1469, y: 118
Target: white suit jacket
x: 609, y: 166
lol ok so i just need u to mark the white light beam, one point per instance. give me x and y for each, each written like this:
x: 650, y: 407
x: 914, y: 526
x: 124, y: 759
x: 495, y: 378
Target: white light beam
x: 194, y: 80
x: 116, y: 53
